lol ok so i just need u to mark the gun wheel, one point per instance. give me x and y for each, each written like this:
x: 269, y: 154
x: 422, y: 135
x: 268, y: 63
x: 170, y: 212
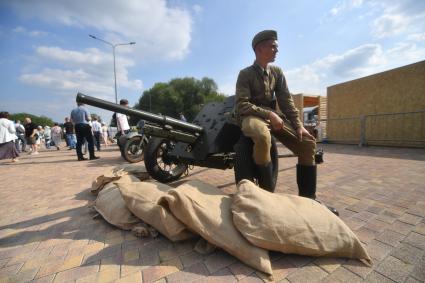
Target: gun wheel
x: 134, y: 148
x: 159, y: 164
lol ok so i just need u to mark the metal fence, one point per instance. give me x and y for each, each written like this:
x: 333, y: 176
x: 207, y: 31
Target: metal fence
x: 397, y: 129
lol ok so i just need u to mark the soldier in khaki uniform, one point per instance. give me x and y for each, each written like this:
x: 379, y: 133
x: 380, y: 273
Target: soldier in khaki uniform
x: 258, y: 88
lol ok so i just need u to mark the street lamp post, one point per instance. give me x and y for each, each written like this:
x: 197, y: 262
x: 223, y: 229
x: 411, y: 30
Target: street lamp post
x: 113, y: 53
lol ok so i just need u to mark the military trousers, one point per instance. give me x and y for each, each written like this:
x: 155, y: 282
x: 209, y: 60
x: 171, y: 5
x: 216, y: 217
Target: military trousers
x: 259, y: 131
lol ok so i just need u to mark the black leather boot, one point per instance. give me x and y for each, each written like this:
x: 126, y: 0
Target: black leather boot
x: 265, y: 178
x: 306, y: 180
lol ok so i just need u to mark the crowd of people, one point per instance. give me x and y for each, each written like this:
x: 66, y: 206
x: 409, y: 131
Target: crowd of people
x: 17, y: 137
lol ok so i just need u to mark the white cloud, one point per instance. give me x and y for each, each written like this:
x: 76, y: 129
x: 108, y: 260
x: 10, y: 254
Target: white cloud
x: 419, y: 37
x: 160, y: 31
x: 361, y: 61
x: 398, y: 17
x: 87, y: 71
x: 345, y: 5
x: 33, y: 33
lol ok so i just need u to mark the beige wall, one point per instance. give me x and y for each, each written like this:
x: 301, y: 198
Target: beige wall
x: 393, y: 91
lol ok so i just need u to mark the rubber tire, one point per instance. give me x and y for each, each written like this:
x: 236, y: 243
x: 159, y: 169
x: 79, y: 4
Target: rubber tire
x: 152, y: 150
x: 126, y: 153
x: 245, y: 168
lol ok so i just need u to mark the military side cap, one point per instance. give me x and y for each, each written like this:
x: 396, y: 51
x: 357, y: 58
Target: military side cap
x: 263, y: 35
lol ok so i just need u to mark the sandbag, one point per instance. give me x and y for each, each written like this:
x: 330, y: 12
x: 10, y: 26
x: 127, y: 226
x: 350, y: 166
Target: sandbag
x: 115, y: 173
x: 141, y: 198
x: 111, y: 205
x: 206, y: 210
x: 292, y: 224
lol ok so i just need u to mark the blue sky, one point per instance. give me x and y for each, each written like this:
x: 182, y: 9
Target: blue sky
x: 47, y: 55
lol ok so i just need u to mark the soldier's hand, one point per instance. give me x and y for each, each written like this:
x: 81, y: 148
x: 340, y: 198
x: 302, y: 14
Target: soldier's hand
x: 275, y: 121
x: 303, y: 132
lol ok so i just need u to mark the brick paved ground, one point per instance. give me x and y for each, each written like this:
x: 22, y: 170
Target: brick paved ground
x: 47, y: 233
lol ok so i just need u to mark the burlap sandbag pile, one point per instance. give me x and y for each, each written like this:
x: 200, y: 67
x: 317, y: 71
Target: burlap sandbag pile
x: 114, y: 174
x: 141, y: 198
x: 246, y: 224
x: 292, y: 224
x: 206, y: 211
x: 112, y: 207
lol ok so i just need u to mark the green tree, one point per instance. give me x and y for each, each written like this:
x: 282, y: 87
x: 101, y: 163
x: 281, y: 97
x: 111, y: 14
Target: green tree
x: 186, y: 95
x: 38, y: 120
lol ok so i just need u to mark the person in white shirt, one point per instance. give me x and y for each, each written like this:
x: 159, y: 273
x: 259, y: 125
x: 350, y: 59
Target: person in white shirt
x: 105, y: 134
x: 20, y: 133
x: 56, y: 135
x: 97, y: 129
x: 122, y: 121
x: 7, y: 138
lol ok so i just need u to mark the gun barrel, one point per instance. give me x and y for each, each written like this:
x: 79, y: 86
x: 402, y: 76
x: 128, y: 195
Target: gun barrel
x: 154, y: 118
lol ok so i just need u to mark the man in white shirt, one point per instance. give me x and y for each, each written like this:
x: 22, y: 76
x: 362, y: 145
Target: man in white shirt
x: 122, y: 122
x: 97, y: 129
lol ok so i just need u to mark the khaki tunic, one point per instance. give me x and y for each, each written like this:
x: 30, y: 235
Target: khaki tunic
x: 257, y: 91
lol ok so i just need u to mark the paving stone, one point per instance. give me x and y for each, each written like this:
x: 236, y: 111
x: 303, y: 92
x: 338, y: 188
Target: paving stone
x: 365, y: 215
x: 416, y: 240
x: 282, y: 268
x: 23, y: 275
x: 365, y: 235
x: 342, y: 275
x: 420, y: 228
x: 3, y: 262
x: 76, y: 273
x: 417, y: 210
x: 183, y: 247
x: 131, y: 255
x: 376, y: 209
x: 376, y: 225
x: 358, y: 267
x: 419, y: 270
x: 240, y: 270
x: 407, y: 253
x: 222, y: 276
x: 354, y: 223
x: 253, y: 278
x: 401, y: 227
x: 411, y: 280
x: 378, y: 250
x: 390, y: 237
x: 132, y: 278
x: 108, y: 275
x: 131, y: 267
x: 191, y: 258
x: 375, y: 277
x: 394, y: 269
x: 45, y: 279
x: 10, y: 270
x: 218, y: 260
x: 165, y: 255
x: 299, y: 260
x: 329, y: 264
x: 307, y: 273
x: 157, y: 272
x: 193, y: 273
x: 410, y: 219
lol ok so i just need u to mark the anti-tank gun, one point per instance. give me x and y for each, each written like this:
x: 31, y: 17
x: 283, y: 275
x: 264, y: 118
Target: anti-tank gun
x: 175, y: 145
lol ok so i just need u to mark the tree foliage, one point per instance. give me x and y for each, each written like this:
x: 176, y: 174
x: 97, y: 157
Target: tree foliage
x: 38, y: 120
x: 187, y: 95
